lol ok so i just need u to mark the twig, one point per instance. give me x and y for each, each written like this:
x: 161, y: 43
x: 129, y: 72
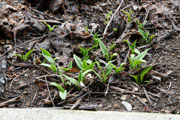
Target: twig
x: 49, y: 92
x: 125, y: 60
x: 105, y: 31
x: 79, y: 101
x: 141, y: 101
x: 120, y: 91
x: 107, y: 89
x: 16, y: 78
x: 34, y: 98
x: 147, y: 96
x: 3, y: 104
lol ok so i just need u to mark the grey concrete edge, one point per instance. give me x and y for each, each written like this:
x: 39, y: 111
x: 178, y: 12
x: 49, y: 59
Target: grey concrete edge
x: 51, y: 114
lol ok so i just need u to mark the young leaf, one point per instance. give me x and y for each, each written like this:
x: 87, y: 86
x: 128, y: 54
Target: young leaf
x: 28, y: 54
x: 136, y: 78
x: 78, y: 61
x: 53, y: 68
x: 63, y: 95
x: 60, y: 88
x: 144, y: 72
x: 143, y: 34
x: 45, y: 52
x: 49, y: 59
x: 141, y: 55
x: 70, y: 65
x: 72, y: 80
x: 46, y: 65
x: 103, y: 48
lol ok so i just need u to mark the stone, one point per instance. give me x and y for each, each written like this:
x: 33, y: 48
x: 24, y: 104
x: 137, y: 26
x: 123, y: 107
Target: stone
x: 127, y: 105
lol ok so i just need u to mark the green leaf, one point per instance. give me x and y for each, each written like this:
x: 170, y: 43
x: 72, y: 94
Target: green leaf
x: 97, y: 75
x: 144, y: 23
x: 53, y: 68
x: 78, y: 61
x: 28, y: 54
x: 91, y: 66
x: 115, y: 29
x: 144, y: 72
x: 72, y: 80
x: 151, y: 37
x: 136, y: 51
x: 136, y: 78
x: 45, y: 52
x: 63, y: 95
x: 103, y: 48
x: 143, y: 34
x: 128, y: 43
x: 46, y: 65
x: 49, y: 59
x: 113, y: 55
x: 84, y: 65
x: 60, y: 88
x: 98, y: 65
x: 70, y: 65
x: 84, y: 74
x: 141, y: 55
x: 96, y: 39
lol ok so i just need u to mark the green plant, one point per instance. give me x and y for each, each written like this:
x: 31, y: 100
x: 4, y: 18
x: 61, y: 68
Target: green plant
x: 128, y: 14
x: 104, y: 72
x: 118, y: 69
x: 144, y: 34
x: 96, y: 39
x: 85, y: 64
x: 135, y: 61
x: 85, y: 51
x: 132, y: 47
x: 26, y: 56
x: 49, y: 58
x: 141, y: 26
x: 105, y: 51
x: 108, y: 16
x: 62, y: 91
x: 139, y: 78
x: 49, y: 26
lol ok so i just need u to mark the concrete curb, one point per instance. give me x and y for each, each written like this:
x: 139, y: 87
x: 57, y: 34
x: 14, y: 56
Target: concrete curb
x: 49, y: 114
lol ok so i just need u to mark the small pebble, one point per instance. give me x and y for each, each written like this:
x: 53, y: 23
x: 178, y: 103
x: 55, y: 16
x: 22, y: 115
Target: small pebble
x: 124, y: 97
x: 116, y: 106
x: 135, y: 89
x: 144, y: 100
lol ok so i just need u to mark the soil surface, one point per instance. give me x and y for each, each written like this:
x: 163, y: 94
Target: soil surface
x: 25, y: 84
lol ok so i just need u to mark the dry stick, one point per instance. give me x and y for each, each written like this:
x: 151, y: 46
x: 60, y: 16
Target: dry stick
x: 105, y: 31
x: 78, y: 101
x: 107, y: 89
x: 127, y: 56
x: 49, y: 92
x: 3, y: 104
x: 16, y: 78
x: 147, y: 96
x: 33, y: 98
x: 141, y: 101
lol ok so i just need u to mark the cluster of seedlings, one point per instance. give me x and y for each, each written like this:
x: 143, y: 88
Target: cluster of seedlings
x: 93, y: 66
